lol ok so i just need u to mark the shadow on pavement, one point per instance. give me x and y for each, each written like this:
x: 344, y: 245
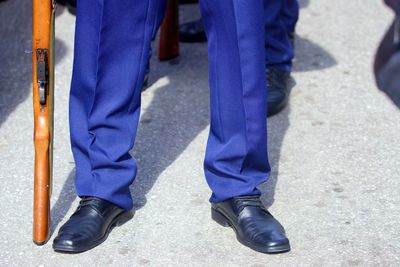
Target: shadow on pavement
x: 63, y: 203
x: 178, y: 112
x: 310, y: 56
x: 304, y: 3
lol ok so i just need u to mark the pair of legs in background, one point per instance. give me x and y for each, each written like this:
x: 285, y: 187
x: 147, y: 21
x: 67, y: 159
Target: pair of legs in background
x: 280, y: 19
x: 112, y: 44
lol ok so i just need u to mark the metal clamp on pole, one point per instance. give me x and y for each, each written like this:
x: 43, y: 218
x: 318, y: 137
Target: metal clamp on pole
x: 42, y: 74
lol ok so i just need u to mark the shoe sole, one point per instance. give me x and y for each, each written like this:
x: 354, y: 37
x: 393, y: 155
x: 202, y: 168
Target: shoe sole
x: 224, y: 221
x: 117, y: 221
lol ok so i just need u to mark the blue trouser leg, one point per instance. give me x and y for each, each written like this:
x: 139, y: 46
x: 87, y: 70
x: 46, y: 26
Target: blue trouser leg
x: 290, y: 14
x: 236, y: 157
x: 278, y: 48
x: 111, y: 50
x: 161, y: 8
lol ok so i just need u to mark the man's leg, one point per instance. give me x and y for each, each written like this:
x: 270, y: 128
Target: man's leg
x: 278, y: 49
x: 290, y: 16
x: 161, y: 9
x: 112, y: 43
x: 236, y: 159
x: 192, y: 32
x: 279, y: 55
x: 280, y: 19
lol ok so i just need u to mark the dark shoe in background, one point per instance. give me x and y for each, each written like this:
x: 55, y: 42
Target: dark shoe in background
x: 192, y: 32
x: 254, y: 226
x: 89, y: 226
x: 71, y: 5
x: 184, y: 2
x: 278, y: 91
x: 387, y: 59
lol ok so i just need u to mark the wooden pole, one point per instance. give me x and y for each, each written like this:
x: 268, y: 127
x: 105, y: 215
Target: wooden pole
x: 169, y: 36
x: 43, y: 87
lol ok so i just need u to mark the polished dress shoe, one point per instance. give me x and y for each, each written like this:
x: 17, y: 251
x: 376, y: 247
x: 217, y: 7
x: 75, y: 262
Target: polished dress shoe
x: 254, y: 226
x: 89, y: 226
x: 192, y: 32
x: 71, y: 4
x: 278, y: 90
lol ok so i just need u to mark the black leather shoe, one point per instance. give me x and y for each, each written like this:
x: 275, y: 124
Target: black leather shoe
x: 71, y: 4
x: 255, y: 227
x: 278, y: 90
x: 89, y: 226
x: 192, y: 32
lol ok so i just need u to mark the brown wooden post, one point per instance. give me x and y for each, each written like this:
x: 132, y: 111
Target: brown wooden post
x: 43, y: 85
x: 169, y: 36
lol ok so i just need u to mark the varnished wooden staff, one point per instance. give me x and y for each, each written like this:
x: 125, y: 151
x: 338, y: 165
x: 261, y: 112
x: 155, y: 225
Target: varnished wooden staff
x: 43, y: 106
x: 169, y: 35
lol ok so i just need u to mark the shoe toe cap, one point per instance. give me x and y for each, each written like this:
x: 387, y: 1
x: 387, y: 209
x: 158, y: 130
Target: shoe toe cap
x: 274, y: 240
x: 69, y: 242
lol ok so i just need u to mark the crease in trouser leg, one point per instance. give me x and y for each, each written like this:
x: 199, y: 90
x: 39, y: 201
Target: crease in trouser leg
x: 236, y: 158
x: 125, y: 29
x: 84, y: 77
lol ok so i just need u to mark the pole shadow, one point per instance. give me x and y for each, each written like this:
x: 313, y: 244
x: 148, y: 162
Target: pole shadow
x: 64, y: 202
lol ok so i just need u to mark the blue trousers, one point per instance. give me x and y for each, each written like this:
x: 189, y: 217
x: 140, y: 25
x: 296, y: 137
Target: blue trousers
x: 112, y: 42
x: 280, y: 18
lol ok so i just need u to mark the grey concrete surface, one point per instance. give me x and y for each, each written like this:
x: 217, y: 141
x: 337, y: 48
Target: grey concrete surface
x: 334, y: 151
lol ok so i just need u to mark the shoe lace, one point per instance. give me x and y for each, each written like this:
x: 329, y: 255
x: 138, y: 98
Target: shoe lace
x: 85, y: 201
x: 246, y: 201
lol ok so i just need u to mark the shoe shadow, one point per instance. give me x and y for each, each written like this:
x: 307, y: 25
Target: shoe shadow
x: 304, y: 3
x: 310, y: 56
